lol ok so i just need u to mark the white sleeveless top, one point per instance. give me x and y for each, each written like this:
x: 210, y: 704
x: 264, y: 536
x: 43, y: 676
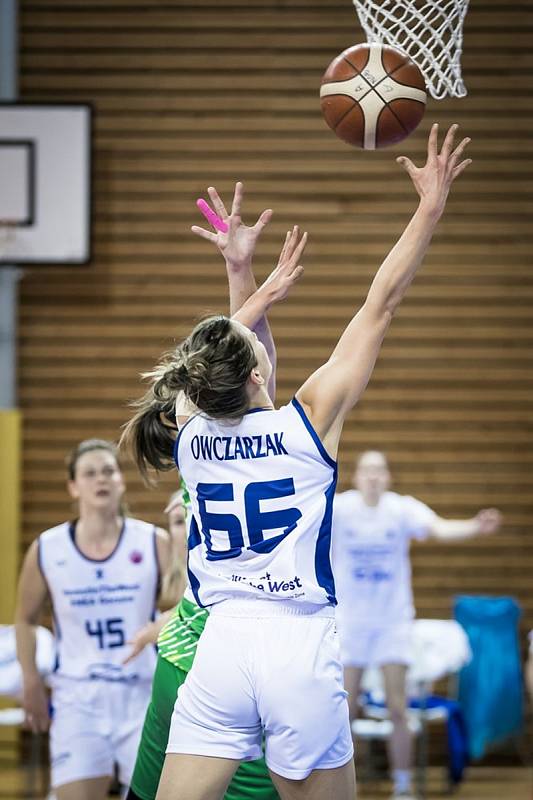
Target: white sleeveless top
x: 371, y: 556
x: 261, y: 500
x: 98, y: 605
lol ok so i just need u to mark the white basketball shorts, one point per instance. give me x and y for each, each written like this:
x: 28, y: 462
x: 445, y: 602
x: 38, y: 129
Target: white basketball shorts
x: 375, y: 647
x: 272, y: 667
x: 95, y: 724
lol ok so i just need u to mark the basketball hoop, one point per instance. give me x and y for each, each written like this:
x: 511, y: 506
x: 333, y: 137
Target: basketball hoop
x: 429, y: 31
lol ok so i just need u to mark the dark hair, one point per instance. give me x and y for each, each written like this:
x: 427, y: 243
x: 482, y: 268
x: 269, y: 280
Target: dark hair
x: 211, y: 368
x: 87, y: 446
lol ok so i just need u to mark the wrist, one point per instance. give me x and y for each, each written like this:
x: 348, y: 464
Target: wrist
x: 431, y: 210
x: 31, y: 678
x: 239, y: 264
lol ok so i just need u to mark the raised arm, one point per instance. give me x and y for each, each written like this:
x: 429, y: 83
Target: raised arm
x: 237, y: 247
x: 334, y: 389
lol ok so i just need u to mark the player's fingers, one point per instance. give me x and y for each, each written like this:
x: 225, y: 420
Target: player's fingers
x: 293, y: 239
x: 209, y: 235
x: 461, y: 167
x: 298, y: 250
x: 297, y: 273
x: 283, y: 254
x: 237, y: 199
x: 407, y: 164
x: 433, y: 141
x: 448, y: 142
x: 459, y: 150
x: 218, y: 205
x: 290, y: 246
x: 263, y: 220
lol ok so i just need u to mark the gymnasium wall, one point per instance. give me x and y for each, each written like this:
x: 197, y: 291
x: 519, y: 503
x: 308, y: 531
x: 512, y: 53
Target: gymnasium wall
x: 191, y: 94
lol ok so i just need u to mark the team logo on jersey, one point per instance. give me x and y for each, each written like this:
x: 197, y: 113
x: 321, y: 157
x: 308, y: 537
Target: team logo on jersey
x: 136, y: 557
x: 99, y: 574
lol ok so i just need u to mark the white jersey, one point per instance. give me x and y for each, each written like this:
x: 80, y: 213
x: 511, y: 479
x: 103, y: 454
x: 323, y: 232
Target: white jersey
x: 371, y: 557
x: 261, y: 496
x: 98, y: 605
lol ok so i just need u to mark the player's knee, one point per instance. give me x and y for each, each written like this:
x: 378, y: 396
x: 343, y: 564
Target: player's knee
x: 397, y: 713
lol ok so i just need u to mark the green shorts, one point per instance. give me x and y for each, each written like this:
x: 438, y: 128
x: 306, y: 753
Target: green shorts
x: 250, y: 782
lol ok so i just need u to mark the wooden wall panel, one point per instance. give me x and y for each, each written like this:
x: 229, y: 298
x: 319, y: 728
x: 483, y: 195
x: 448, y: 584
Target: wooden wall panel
x: 189, y: 94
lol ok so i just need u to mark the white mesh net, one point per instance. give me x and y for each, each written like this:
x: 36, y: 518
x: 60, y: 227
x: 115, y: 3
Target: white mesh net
x: 430, y: 32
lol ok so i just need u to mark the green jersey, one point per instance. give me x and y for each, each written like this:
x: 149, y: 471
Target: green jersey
x: 178, y: 640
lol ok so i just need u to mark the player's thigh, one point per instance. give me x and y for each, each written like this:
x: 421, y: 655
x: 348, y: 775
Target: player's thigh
x: 302, y: 699
x: 352, y: 683
x: 90, y: 789
x: 80, y: 746
x: 337, y: 784
x: 151, y: 754
x: 394, y: 679
x: 198, y: 777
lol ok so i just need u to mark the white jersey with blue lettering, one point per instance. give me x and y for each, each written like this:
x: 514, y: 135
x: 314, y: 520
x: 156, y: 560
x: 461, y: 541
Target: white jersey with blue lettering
x: 98, y: 605
x: 371, y: 557
x: 261, y: 494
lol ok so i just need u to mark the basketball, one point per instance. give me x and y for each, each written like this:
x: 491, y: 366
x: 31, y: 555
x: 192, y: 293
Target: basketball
x: 372, y: 96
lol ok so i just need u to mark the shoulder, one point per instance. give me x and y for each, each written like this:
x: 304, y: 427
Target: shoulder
x: 139, y: 525
x: 147, y: 534
x: 348, y: 498
x: 410, y: 503
x: 344, y: 503
x: 57, y: 533
x: 162, y: 540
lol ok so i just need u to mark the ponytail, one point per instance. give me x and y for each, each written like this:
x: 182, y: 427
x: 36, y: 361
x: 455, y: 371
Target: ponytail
x: 211, y: 368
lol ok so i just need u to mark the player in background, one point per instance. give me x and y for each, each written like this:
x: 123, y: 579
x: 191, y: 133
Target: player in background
x: 261, y: 483
x: 177, y: 633
x: 372, y: 529
x: 101, y: 572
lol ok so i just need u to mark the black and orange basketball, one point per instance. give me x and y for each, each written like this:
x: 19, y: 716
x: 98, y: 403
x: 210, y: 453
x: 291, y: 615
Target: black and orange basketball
x: 372, y: 96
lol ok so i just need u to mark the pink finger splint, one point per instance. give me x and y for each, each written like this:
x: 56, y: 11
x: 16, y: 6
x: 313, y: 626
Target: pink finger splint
x: 211, y: 217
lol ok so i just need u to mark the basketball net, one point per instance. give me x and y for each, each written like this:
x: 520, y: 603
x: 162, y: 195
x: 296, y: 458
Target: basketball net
x: 430, y: 32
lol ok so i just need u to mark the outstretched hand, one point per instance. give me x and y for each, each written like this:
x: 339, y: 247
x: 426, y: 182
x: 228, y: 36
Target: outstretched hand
x: 488, y: 520
x: 279, y: 282
x: 433, y: 180
x: 146, y: 635
x: 238, y: 244
x: 288, y: 269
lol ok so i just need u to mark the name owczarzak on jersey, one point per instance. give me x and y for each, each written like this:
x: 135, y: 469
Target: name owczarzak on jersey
x: 228, y: 448
x: 266, y: 583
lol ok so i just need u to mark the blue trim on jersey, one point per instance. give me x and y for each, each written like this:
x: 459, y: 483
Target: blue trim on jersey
x: 256, y: 410
x: 314, y: 435
x: 323, y: 570
x: 178, y: 437
x: 72, y: 534
x: 194, y: 540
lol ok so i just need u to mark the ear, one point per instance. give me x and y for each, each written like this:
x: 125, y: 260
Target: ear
x: 73, y: 490
x: 256, y: 378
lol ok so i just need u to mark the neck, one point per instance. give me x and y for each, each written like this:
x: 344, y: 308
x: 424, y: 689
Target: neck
x: 99, y: 524
x: 261, y: 399
x: 371, y: 499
